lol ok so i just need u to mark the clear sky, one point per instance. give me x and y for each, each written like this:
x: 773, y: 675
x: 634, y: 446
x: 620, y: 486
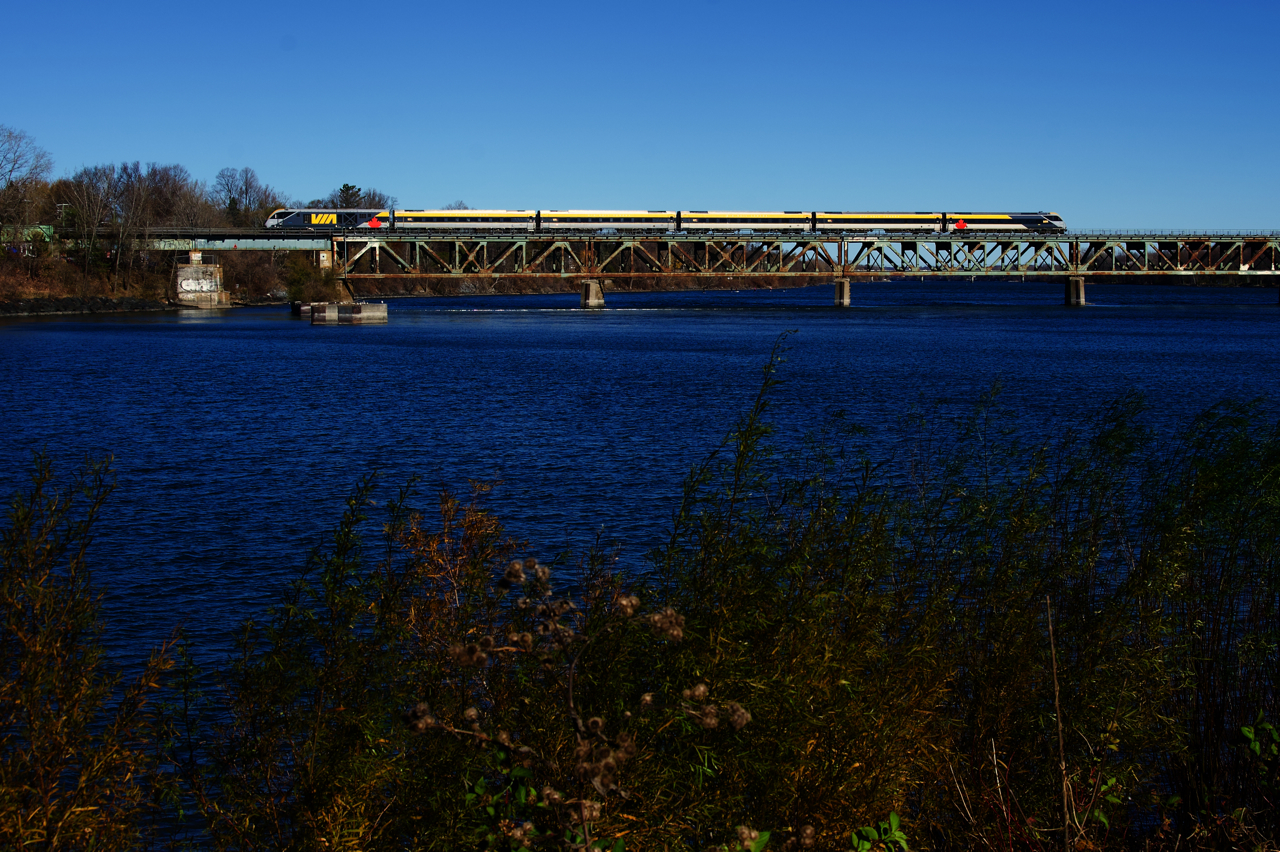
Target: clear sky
x: 1113, y: 114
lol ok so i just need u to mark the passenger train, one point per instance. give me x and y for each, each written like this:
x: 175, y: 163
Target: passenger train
x: 657, y: 221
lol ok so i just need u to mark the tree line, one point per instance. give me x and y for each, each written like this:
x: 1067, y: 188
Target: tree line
x: 104, y: 214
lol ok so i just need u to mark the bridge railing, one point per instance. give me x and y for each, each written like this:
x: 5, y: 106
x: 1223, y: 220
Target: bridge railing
x: 1139, y: 233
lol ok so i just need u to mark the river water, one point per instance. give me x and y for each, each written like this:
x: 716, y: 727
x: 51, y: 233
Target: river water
x: 236, y: 435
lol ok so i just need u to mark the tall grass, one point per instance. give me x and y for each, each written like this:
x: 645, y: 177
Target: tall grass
x: 1070, y: 643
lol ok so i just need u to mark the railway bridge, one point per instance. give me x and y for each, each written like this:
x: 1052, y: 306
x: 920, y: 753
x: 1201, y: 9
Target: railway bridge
x: 599, y: 259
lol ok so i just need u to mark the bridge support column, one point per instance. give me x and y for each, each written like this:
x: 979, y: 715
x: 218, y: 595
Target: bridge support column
x: 1075, y: 290
x: 592, y: 294
x: 842, y: 292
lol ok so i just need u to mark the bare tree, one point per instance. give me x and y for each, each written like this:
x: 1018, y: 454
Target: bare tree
x: 132, y: 199
x: 456, y: 205
x: 178, y: 199
x: 242, y: 196
x: 90, y: 194
x: 377, y: 199
x: 164, y: 184
x: 192, y: 207
x: 226, y: 186
x: 24, y: 165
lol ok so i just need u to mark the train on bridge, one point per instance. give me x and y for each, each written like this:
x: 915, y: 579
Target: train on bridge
x: 658, y: 221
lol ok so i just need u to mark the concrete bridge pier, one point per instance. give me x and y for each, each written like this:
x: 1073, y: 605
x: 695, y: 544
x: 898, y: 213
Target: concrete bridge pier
x: 842, y: 292
x: 1075, y: 290
x: 592, y: 293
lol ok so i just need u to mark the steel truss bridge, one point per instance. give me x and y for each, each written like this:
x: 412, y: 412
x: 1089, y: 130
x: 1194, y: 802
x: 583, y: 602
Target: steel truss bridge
x: 637, y: 260
x: 364, y: 255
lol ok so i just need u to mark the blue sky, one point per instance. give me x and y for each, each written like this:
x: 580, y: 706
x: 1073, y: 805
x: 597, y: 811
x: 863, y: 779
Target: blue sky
x: 1157, y: 115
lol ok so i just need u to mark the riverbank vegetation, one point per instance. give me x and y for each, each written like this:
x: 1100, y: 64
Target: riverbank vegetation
x: 974, y: 642
x: 87, y: 234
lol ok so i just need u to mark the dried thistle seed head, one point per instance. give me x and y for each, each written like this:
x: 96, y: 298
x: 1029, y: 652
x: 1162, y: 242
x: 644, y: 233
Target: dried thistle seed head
x: 486, y: 643
x: 709, y: 718
x: 595, y: 724
x: 541, y: 572
x: 552, y: 796
x: 504, y: 737
x: 585, y: 811
x: 667, y: 624
x: 747, y: 836
x: 514, y: 573
x: 808, y: 836
x: 698, y: 693
x: 419, y: 718
x: 469, y: 654
x: 646, y: 700
x: 471, y: 714
x: 738, y: 715
x: 628, y: 604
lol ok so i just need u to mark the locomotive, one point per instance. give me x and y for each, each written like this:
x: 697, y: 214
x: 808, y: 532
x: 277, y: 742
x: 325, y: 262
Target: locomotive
x: 658, y: 221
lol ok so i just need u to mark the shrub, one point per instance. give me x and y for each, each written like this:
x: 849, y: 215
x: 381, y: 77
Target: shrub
x: 80, y: 762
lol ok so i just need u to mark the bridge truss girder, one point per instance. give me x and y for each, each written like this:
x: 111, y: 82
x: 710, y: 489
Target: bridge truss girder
x: 523, y: 255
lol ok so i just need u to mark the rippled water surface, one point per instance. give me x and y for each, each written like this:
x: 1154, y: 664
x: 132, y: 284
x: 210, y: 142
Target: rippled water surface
x: 236, y: 435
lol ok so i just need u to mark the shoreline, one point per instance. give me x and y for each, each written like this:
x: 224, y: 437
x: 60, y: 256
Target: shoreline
x: 75, y: 305
x: 68, y: 305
